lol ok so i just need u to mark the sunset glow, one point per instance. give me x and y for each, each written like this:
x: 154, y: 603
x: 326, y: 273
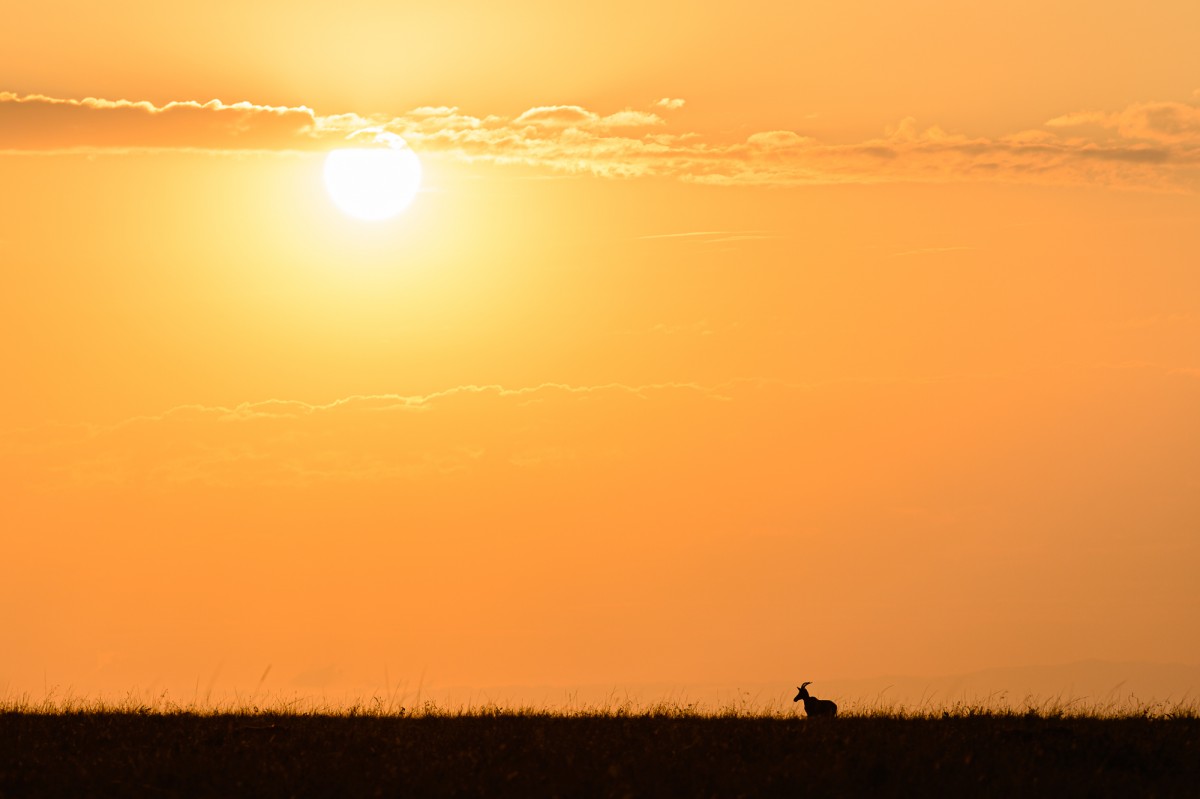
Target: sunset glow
x: 493, y: 347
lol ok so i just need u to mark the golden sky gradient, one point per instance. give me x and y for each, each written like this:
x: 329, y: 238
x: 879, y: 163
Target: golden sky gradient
x: 733, y: 343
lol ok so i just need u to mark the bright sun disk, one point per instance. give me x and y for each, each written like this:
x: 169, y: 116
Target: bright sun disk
x: 373, y: 183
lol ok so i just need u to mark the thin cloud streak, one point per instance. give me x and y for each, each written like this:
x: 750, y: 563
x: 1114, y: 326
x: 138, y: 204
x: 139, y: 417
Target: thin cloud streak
x: 709, y: 236
x: 353, y: 438
x: 476, y: 429
x: 373, y: 403
x: 929, y: 251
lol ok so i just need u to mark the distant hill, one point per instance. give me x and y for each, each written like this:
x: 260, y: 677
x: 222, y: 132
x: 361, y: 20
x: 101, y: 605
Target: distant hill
x: 1091, y: 682
x: 1087, y: 684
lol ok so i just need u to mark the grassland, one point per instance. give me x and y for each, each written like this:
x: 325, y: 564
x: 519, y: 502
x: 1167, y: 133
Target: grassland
x: 140, y: 750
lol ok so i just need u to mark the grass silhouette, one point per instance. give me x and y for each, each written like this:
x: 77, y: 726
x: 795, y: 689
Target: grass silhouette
x: 296, y: 748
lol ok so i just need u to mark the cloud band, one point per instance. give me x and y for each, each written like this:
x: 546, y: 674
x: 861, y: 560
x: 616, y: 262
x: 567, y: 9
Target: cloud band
x: 1148, y: 145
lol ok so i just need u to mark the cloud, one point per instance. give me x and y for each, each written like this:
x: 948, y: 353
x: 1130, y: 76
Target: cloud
x: 1168, y: 320
x: 557, y: 116
x: 629, y: 118
x: 777, y: 139
x: 360, y: 438
x: 750, y: 437
x: 1152, y: 122
x: 37, y: 122
x: 712, y: 236
x: 929, y: 251
x: 573, y: 116
x: 1152, y: 145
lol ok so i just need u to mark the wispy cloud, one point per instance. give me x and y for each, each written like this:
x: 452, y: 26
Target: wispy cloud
x: 1168, y: 320
x: 928, y: 251
x: 491, y: 433
x: 574, y: 116
x: 711, y: 236
x: 1148, y: 145
x: 1161, y: 122
x: 354, y: 438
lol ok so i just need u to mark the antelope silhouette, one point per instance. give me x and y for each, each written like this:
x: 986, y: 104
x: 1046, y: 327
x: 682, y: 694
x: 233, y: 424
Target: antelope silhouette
x: 814, y: 706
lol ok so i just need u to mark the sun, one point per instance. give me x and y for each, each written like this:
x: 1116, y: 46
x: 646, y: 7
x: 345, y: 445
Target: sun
x: 373, y: 182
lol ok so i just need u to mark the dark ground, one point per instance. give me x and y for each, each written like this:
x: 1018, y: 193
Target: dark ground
x: 530, y: 754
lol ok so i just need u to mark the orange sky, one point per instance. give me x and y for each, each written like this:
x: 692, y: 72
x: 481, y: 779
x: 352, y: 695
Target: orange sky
x: 811, y: 340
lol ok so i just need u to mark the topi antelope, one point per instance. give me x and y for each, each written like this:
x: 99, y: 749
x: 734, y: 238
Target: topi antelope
x: 814, y: 706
